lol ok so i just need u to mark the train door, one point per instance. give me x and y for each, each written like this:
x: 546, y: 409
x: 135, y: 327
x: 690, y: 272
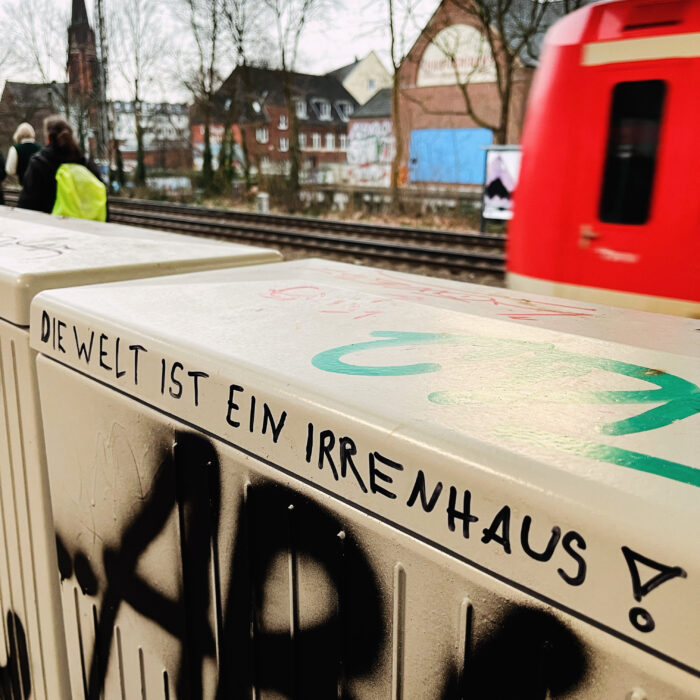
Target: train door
x: 632, y: 119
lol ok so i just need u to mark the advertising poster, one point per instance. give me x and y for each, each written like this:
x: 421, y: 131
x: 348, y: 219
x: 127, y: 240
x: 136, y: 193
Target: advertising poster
x: 502, y: 169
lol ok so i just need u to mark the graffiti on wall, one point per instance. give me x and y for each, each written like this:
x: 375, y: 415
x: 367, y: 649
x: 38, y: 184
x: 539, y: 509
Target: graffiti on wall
x: 371, y: 150
x: 315, y: 659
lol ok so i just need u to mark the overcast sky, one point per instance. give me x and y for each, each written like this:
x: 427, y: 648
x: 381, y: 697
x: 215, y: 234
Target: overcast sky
x: 344, y: 30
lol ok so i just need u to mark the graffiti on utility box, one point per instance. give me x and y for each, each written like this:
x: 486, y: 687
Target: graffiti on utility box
x: 491, y: 533
x: 320, y: 658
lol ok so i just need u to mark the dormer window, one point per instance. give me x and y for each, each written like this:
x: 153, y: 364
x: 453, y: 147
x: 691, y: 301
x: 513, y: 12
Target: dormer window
x: 300, y: 106
x: 256, y: 107
x: 322, y: 108
x: 284, y: 123
x: 345, y: 110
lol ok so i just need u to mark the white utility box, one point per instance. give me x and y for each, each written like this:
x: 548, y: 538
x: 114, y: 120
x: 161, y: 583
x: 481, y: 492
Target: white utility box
x: 313, y: 480
x: 35, y: 255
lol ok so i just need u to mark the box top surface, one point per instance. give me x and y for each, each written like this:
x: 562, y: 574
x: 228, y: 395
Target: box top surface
x: 36, y: 256
x: 479, y: 390
x: 630, y: 327
x: 454, y: 367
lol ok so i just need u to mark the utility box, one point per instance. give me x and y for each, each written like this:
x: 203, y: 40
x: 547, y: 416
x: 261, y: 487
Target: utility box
x: 36, y: 256
x: 311, y: 480
x: 263, y: 203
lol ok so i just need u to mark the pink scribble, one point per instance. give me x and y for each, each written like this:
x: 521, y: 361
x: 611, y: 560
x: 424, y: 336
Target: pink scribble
x: 294, y: 293
x: 522, y: 309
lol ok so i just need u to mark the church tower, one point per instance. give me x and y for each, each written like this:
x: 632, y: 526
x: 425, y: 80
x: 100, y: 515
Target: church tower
x: 83, y: 83
x: 82, y: 54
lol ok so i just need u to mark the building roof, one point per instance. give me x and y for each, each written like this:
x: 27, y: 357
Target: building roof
x: 341, y: 73
x: 378, y: 105
x: 149, y: 108
x: 36, y: 95
x: 256, y: 89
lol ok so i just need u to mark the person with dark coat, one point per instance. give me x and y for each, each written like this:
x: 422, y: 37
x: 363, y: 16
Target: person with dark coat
x: 23, y: 148
x: 39, y: 186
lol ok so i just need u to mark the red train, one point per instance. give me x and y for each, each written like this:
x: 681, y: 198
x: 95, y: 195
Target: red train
x: 608, y: 201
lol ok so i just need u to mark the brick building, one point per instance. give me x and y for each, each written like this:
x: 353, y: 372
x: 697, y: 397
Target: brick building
x: 441, y: 142
x: 251, y: 105
x: 29, y: 102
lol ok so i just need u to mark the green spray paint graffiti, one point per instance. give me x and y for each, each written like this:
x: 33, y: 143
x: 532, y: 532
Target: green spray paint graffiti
x: 678, y: 398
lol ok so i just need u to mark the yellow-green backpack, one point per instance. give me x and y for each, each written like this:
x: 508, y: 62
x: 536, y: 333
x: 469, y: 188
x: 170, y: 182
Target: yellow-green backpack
x: 79, y: 193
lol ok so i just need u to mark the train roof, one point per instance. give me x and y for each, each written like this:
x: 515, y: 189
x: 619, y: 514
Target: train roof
x: 626, y: 19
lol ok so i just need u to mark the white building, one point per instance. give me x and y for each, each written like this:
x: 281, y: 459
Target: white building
x: 165, y: 126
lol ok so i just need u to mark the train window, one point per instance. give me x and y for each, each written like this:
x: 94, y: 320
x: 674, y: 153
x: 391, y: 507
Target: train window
x: 630, y: 163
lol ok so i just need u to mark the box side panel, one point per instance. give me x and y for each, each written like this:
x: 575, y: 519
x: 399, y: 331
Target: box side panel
x: 31, y: 612
x: 197, y: 570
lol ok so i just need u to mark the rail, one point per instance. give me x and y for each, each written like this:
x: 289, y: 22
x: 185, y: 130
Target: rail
x: 456, y: 251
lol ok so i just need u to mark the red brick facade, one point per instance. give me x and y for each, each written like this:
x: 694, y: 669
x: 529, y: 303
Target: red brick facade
x: 443, y: 106
x: 271, y: 139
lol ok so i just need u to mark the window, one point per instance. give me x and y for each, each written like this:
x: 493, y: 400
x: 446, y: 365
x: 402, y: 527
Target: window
x: 322, y: 108
x: 630, y: 162
x: 316, y: 141
x: 371, y: 83
x: 345, y: 110
x: 302, y: 140
x: 262, y: 135
x: 284, y: 145
x: 284, y: 122
x: 301, y: 109
x: 330, y: 142
x: 343, y: 142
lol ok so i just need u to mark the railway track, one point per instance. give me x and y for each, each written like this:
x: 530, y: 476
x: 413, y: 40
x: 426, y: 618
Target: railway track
x: 409, y: 247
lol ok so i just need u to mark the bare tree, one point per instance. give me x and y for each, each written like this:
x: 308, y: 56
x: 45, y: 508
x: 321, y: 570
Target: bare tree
x: 204, y: 18
x: 242, y: 29
x: 290, y: 18
x: 401, y: 20
x: 512, y: 32
x: 35, y: 37
x: 137, y: 48
x: 6, y: 57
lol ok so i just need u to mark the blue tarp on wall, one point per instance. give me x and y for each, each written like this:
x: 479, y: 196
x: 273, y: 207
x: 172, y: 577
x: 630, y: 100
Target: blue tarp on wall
x: 448, y: 155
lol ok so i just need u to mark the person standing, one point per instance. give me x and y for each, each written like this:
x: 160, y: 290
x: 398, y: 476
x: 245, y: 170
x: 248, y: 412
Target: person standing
x: 39, y: 186
x: 24, y: 147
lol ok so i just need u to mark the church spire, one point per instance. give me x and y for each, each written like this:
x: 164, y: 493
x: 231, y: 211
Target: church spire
x: 79, y: 15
